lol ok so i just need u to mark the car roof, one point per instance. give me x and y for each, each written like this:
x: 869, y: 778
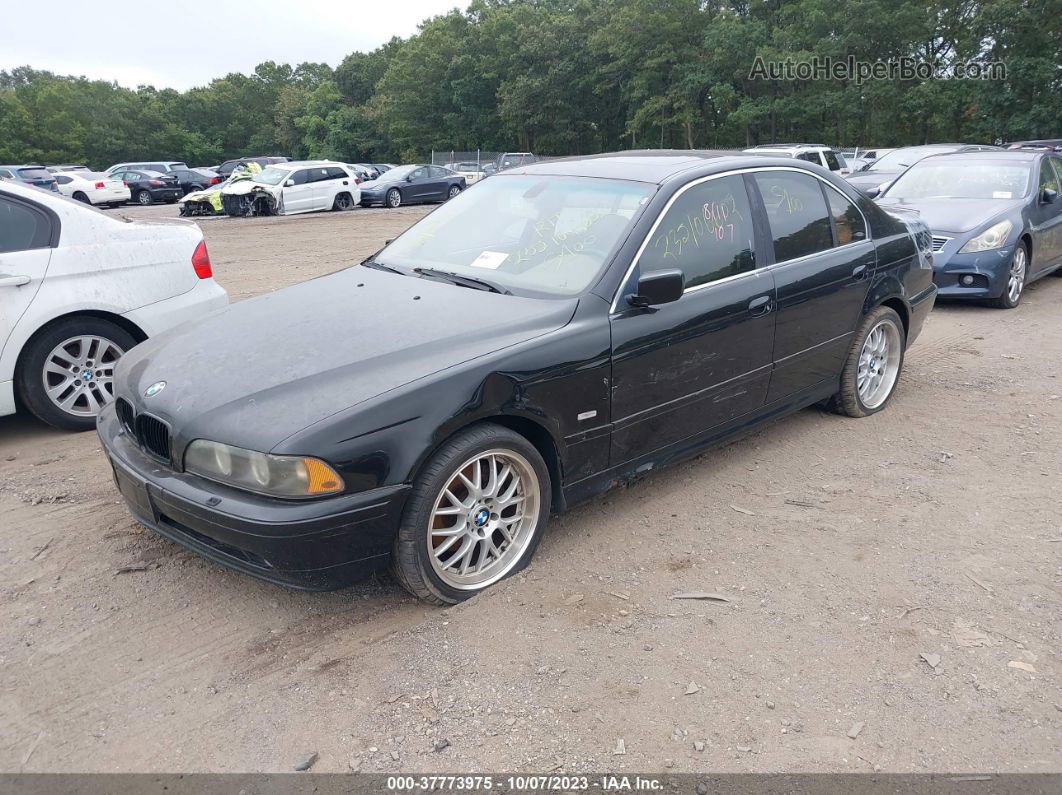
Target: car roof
x: 305, y: 163
x: 649, y: 165
x: 1016, y: 155
x: 21, y: 165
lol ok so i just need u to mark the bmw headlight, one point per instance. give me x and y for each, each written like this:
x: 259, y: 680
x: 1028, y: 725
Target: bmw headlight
x: 993, y: 237
x: 272, y: 475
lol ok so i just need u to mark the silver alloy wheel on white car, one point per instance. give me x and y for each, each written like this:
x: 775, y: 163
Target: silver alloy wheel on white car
x: 879, y: 364
x: 79, y: 374
x: 1016, y: 277
x: 483, y: 519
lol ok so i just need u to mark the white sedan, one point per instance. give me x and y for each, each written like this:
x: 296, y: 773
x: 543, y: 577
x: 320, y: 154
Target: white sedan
x: 92, y: 188
x: 301, y: 186
x: 79, y: 288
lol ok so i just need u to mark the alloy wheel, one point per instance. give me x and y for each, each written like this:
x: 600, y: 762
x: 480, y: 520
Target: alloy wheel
x: 879, y: 364
x: 79, y: 374
x: 483, y: 519
x: 394, y: 198
x: 1016, y: 277
x: 454, y: 190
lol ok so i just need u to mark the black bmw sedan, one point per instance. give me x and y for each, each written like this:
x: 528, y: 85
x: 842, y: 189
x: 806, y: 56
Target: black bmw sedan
x: 560, y: 328
x: 996, y: 219
x: 411, y: 185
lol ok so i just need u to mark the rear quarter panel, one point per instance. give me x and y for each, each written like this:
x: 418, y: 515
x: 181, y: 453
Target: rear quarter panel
x: 102, y: 264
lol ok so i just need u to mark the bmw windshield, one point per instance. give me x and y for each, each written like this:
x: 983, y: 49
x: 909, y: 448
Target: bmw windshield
x: 532, y: 234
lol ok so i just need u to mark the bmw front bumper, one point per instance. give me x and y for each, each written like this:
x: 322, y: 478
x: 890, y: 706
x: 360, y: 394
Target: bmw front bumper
x: 314, y: 545
x: 988, y: 271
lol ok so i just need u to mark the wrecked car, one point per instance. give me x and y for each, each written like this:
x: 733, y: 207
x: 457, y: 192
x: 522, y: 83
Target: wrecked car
x: 290, y: 188
x: 208, y: 201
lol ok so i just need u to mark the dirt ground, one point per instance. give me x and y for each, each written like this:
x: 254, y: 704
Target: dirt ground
x: 894, y: 587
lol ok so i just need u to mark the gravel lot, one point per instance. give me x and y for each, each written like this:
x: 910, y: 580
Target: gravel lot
x: 894, y: 587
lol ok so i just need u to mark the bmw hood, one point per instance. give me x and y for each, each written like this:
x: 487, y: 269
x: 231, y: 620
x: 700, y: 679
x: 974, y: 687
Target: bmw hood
x: 954, y: 215
x: 263, y: 369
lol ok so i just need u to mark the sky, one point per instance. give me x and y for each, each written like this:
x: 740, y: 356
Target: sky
x: 180, y: 44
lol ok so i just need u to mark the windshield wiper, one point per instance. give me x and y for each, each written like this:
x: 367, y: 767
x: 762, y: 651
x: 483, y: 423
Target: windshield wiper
x: 372, y: 263
x: 463, y: 281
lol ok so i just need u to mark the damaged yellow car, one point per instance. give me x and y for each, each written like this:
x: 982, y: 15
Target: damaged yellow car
x: 208, y: 201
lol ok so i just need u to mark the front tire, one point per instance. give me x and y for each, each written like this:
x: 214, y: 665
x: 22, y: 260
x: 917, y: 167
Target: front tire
x: 65, y: 375
x: 1017, y: 273
x: 143, y: 198
x: 394, y: 198
x: 475, y: 515
x: 872, y: 368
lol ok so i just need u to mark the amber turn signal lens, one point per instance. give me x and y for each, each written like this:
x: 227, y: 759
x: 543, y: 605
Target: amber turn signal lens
x: 321, y: 478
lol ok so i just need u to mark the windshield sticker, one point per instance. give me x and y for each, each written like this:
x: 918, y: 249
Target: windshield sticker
x: 1002, y: 194
x: 490, y: 259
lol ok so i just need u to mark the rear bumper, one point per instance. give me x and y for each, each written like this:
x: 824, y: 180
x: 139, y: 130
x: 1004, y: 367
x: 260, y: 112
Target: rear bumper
x: 206, y: 297
x: 106, y: 196
x: 310, y: 545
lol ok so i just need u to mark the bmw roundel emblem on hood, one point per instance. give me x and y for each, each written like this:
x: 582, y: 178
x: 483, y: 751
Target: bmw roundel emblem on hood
x: 154, y: 389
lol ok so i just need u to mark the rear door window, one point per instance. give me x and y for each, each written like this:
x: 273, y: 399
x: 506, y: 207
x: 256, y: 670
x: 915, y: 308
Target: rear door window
x: 21, y: 227
x: 797, y: 214
x: 848, y: 223
x: 334, y: 172
x: 707, y: 233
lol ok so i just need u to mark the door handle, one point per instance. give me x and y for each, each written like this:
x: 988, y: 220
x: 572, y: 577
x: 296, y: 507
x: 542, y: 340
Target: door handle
x: 760, y: 305
x: 859, y: 271
x: 13, y: 281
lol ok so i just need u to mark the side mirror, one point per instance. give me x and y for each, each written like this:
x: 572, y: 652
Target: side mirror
x: 658, y: 287
x: 409, y: 177
x: 873, y: 192
x: 288, y: 183
x: 1048, y: 196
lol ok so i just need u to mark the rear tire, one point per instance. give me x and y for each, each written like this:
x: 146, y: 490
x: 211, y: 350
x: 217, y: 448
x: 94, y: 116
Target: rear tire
x: 143, y: 198
x: 454, y: 190
x: 342, y: 202
x: 33, y: 382
x: 81, y: 197
x: 457, y: 506
x: 873, y: 365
